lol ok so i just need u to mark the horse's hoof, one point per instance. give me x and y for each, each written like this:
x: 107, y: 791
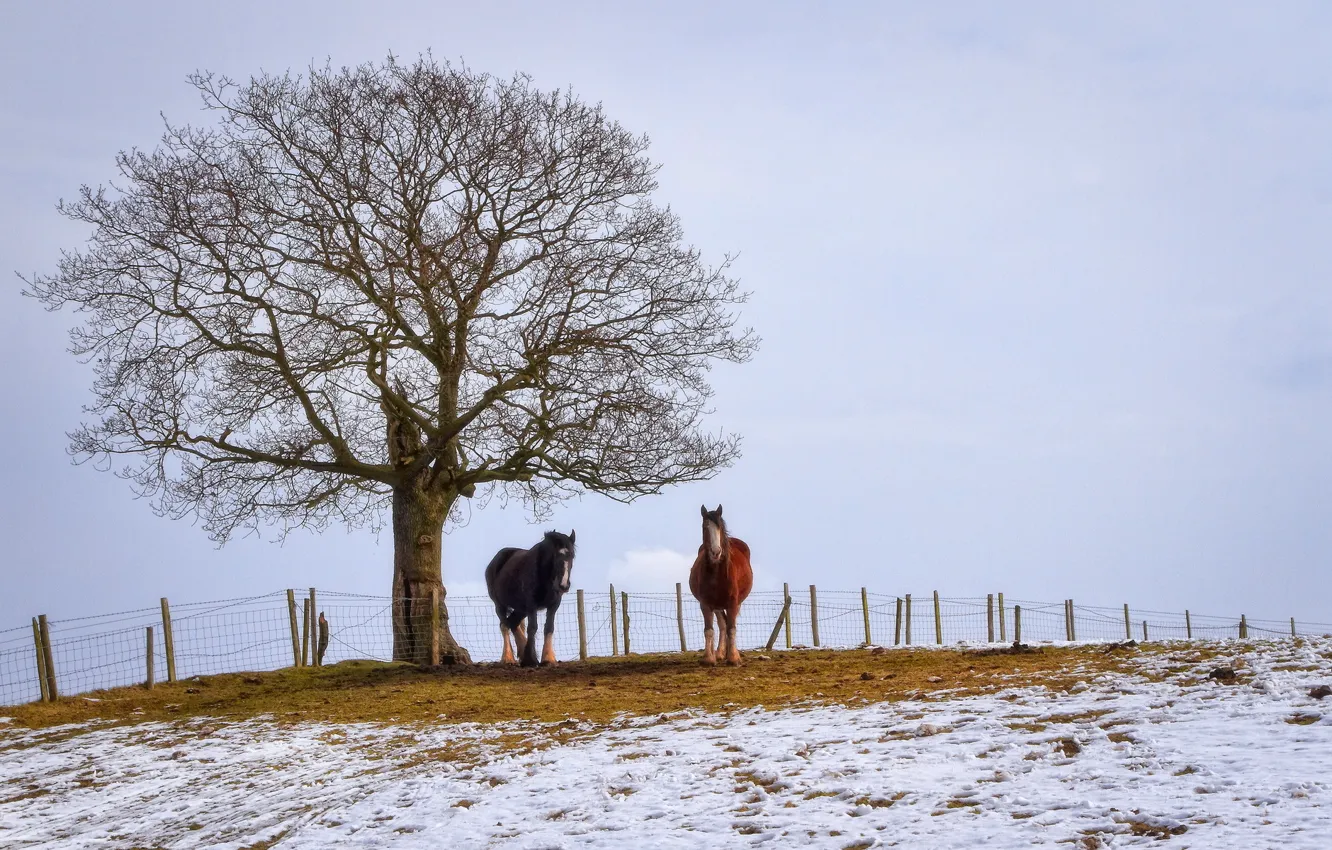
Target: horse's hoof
x: 526, y: 663
x: 735, y: 662
x: 708, y: 662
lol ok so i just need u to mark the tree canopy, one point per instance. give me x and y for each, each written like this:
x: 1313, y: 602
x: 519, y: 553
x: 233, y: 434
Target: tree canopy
x: 404, y: 281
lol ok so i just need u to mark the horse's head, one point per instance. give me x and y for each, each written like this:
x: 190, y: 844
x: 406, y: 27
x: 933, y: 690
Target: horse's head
x: 714, y: 530
x: 562, y: 558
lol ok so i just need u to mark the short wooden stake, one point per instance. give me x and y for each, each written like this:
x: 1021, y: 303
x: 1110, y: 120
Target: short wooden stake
x: 582, y: 628
x: 938, y: 620
x: 148, y: 660
x: 168, y: 641
x: 1188, y: 624
x: 615, y: 627
x: 52, y: 692
x: 1244, y: 628
x: 989, y: 618
x: 41, y: 661
x: 306, y: 632
x: 1017, y: 624
x: 814, y: 614
x: 295, y: 630
x: 624, y: 612
x: 679, y: 615
x: 1003, y: 622
x: 1128, y: 628
x: 907, y: 619
x: 897, y: 623
x: 864, y: 607
x: 434, y: 658
x: 314, y: 630
x: 323, y: 640
x: 1144, y: 631
x: 777, y: 626
x: 786, y: 606
x: 1072, y: 622
x: 1292, y: 627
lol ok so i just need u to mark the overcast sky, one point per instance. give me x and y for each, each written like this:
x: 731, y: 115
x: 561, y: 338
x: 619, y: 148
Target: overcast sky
x: 1045, y: 290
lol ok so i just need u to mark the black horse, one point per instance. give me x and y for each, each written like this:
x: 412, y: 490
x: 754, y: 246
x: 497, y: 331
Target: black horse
x: 521, y: 582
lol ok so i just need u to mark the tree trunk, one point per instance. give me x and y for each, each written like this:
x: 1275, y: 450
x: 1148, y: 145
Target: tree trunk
x: 418, y: 523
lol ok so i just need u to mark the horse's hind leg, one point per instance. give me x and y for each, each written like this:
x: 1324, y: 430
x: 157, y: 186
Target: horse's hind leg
x: 520, y: 636
x: 709, y: 657
x: 512, y: 623
x: 506, y: 657
x: 529, y: 656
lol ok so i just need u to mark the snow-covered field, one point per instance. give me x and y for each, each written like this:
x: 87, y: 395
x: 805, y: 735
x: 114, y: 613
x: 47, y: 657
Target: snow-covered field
x: 1164, y: 753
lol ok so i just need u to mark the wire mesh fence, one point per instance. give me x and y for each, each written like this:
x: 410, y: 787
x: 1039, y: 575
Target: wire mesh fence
x: 271, y: 631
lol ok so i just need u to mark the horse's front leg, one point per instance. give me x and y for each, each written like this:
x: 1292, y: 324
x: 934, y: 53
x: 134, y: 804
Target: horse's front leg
x: 548, y: 647
x: 529, y: 645
x: 732, y: 651
x: 512, y: 624
x: 709, y: 657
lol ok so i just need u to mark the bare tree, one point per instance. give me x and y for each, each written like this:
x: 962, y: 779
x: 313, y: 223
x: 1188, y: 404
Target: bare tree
x: 390, y: 287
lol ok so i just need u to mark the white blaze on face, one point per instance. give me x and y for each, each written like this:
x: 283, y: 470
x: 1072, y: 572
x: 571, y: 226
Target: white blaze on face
x: 568, y: 567
x: 714, y: 538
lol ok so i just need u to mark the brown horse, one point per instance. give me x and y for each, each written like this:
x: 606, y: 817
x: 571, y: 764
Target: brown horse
x: 720, y: 580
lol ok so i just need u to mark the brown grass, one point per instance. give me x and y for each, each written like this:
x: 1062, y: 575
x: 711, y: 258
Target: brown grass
x: 596, y: 690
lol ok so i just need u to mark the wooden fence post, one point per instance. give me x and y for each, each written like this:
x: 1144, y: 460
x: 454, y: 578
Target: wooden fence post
x: 615, y: 627
x: 314, y: 630
x: 295, y: 632
x: 624, y: 612
x: 1244, y: 628
x: 989, y: 618
x: 897, y: 623
x: 305, y: 632
x: 1128, y: 628
x: 786, y: 606
x: 777, y: 626
x: 814, y: 614
x: 434, y: 626
x: 41, y: 661
x: 168, y: 641
x: 1017, y: 624
x: 864, y: 607
x: 908, y: 619
x: 1003, y: 621
x: 1072, y: 622
x: 582, y: 628
x: 1188, y: 624
x: 1292, y: 627
x: 679, y: 615
x: 48, y: 655
x: 148, y: 661
x: 938, y: 621
x: 1144, y: 631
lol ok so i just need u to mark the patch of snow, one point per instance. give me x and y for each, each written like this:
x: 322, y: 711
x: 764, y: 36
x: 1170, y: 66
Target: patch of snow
x: 1123, y: 761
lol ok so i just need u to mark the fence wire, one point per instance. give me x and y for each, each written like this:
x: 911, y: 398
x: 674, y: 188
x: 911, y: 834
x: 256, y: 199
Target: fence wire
x: 255, y: 633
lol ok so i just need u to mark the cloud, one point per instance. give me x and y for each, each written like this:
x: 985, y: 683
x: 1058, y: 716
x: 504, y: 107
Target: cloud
x: 657, y: 570
x: 650, y: 570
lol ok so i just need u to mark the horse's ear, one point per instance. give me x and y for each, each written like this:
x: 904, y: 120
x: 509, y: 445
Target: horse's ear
x: 719, y: 511
x: 573, y: 535
x: 703, y: 509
